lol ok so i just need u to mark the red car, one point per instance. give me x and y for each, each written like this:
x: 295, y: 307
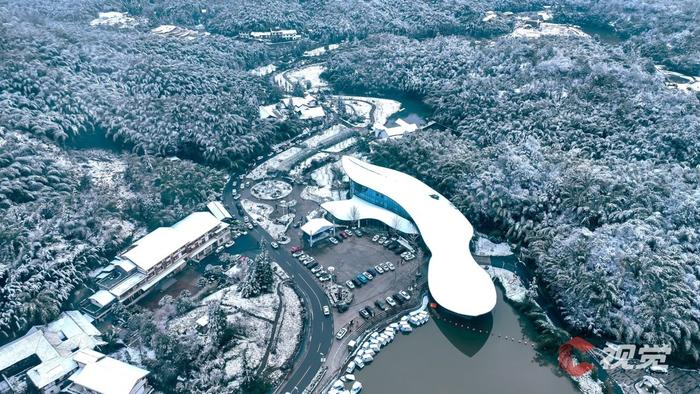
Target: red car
x: 295, y: 249
x: 342, y: 234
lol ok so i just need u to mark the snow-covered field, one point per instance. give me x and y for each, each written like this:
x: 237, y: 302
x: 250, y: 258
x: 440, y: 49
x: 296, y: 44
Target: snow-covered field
x: 264, y: 70
x: 261, y: 213
x: 264, y: 169
x: 690, y: 84
x: 289, y: 327
x: 175, y: 31
x: 384, y: 107
x: 484, y: 247
x: 262, y: 306
x: 547, y: 29
x: 322, y: 192
x: 514, y: 288
x: 116, y: 19
x: 309, y: 77
x: 320, y: 50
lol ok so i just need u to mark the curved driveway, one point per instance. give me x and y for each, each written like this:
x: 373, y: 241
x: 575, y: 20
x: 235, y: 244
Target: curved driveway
x: 318, y: 333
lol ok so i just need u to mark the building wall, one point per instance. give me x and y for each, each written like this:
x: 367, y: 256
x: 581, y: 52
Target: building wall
x: 377, y: 199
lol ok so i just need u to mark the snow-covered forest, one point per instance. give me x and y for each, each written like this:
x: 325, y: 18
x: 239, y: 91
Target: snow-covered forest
x: 576, y: 151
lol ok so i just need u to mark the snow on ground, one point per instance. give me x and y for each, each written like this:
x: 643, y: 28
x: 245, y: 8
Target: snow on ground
x: 264, y: 169
x: 302, y: 167
x: 261, y: 212
x: 309, y: 77
x: 676, y: 80
x: 271, y: 190
x: 545, y: 15
x: 289, y: 327
x: 342, y: 145
x: 484, y: 247
x: 384, y: 108
x: 324, y: 136
x: 175, y: 31
x: 324, y: 178
x: 253, y: 350
x: 514, y: 288
x: 547, y: 29
x: 115, y: 19
x: 489, y: 16
x: 103, y: 173
x: 264, y: 70
x: 321, y: 50
x: 264, y: 306
x: 587, y: 385
x: 359, y: 108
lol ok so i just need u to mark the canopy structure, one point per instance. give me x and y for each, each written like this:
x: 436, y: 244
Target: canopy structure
x: 356, y: 208
x: 316, y: 226
x: 455, y: 279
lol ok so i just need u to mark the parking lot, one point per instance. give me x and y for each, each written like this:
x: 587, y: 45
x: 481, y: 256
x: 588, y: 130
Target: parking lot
x: 356, y: 255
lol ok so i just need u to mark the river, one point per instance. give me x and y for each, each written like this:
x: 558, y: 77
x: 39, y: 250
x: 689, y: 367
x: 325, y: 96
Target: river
x: 441, y: 358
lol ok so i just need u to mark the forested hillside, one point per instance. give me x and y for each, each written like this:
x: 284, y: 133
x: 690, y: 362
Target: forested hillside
x: 576, y: 151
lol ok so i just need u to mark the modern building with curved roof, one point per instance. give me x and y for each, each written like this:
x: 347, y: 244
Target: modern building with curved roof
x: 456, y: 281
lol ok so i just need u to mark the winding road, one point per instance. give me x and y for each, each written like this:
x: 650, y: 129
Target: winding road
x: 318, y: 334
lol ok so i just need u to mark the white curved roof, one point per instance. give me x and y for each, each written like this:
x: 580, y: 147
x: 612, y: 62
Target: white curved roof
x: 315, y: 226
x: 342, y: 209
x: 456, y: 281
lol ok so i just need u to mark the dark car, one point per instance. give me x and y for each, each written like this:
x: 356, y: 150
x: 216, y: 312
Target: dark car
x: 363, y: 279
x: 380, y: 305
x: 342, y: 308
x: 356, y: 282
x: 398, y: 298
x: 372, y: 271
x: 312, y: 265
x: 364, y: 314
x: 343, y: 235
x: 400, y: 250
x: 370, y: 311
x: 358, y: 233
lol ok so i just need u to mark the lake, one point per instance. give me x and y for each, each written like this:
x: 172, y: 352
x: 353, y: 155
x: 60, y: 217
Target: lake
x: 441, y: 358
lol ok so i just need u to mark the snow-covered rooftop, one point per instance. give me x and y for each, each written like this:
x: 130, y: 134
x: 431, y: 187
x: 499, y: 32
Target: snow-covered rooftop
x: 87, y: 356
x: 218, y: 210
x: 456, y: 281
x: 102, y: 298
x: 164, y: 241
x: 315, y: 226
x: 343, y: 210
x: 311, y: 113
x: 109, y: 376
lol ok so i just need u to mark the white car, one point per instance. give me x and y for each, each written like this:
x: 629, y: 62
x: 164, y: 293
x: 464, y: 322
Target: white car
x: 368, y: 275
x: 219, y: 249
x: 333, y: 241
x: 379, y: 269
x: 375, y: 238
x: 229, y: 244
x: 405, y: 295
x: 349, y: 284
x: 341, y: 333
x: 326, y: 310
x: 274, y: 245
x: 410, y: 256
x: 382, y: 240
x: 390, y: 301
x: 391, y: 265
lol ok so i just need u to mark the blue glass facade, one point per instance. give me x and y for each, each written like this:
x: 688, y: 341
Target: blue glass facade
x: 377, y: 199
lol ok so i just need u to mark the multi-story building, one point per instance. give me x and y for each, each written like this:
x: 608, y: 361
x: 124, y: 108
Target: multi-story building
x: 157, y: 255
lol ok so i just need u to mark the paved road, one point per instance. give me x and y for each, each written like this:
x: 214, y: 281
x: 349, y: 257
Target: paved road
x: 319, y: 329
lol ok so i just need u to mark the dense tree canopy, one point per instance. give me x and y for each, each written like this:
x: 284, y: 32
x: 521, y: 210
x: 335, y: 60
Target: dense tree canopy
x: 576, y: 151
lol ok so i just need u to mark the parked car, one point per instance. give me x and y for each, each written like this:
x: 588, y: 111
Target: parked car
x: 249, y: 226
x: 375, y: 238
x: 379, y: 268
x: 274, y: 245
x: 348, y: 233
x: 391, y: 265
x: 364, y: 314
x: 363, y: 279
x: 368, y: 275
x: 400, y: 250
x: 385, y: 267
x: 324, y: 278
x: 312, y: 265
x: 339, y: 238
x: 356, y: 282
x: 405, y: 295
x: 390, y: 301
x: 380, y: 305
x: 246, y: 219
x: 342, y: 235
x: 358, y: 233
x: 370, y: 311
x: 340, y: 334
x: 298, y: 253
x: 349, y: 284
x: 372, y: 271
x: 316, y: 269
x: 381, y: 240
x: 320, y: 273
x: 333, y: 240
x: 410, y: 256
x: 397, y: 297
x: 342, y: 308
x: 219, y: 249
x: 326, y: 310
